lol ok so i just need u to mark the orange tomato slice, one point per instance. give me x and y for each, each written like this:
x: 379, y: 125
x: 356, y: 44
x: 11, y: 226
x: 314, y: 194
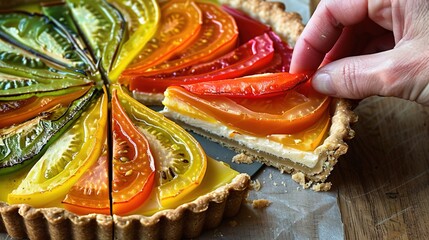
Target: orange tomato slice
x: 218, y: 35
x: 132, y: 162
x: 179, y: 26
x: 291, y: 112
x: 14, y: 112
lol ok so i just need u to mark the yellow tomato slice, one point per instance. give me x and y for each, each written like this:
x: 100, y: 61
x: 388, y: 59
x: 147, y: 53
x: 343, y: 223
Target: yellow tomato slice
x: 308, y: 139
x: 180, y: 161
x: 179, y: 26
x: 66, y: 159
x: 143, y: 16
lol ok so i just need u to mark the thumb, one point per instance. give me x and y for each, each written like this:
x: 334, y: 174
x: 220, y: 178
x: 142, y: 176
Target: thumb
x: 397, y: 72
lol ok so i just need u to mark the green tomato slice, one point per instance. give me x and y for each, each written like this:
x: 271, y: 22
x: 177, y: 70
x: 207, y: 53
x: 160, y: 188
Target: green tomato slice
x: 180, y: 161
x: 66, y: 160
x: 22, y: 72
x: 23, y: 144
x: 44, y: 38
x: 103, y: 28
x: 143, y: 18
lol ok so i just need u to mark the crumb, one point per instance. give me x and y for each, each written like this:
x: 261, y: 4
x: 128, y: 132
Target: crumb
x: 274, y: 183
x: 322, y: 187
x: 242, y: 158
x: 232, y: 223
x: 299, y: 177
x: 271, y: 176
x: 261, y: 203
x: 255, y: 185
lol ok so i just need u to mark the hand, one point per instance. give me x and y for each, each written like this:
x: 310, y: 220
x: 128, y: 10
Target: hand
x: 367, y: 47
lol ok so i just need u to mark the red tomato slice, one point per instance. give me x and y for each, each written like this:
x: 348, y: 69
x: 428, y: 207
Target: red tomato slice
x: 180, y: 24
x: 282, y: 55
x: 91, y: 193
x: 218, y: 35
x: 291, y: 112
x: 248, y: 27
x: 14, y: 112
x: 246, y: 59
x: 133, y: 164
x: 259, y: 85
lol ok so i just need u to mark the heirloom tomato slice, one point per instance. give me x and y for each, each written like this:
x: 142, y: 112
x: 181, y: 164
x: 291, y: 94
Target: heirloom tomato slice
x: 217, y: 36
x: 143, y: 18
x: 258, y: 85
x: 22, y: 144
x: 282, y: 55
x: 179, y: 26
x: 250, y: 28
x: 180, y: 161
x: 66, y: 160
x: 91, y: 194
x: 102, y: 27
x: 45, y: 38
x: 133, y: 163
x: 290, y: 112
x: 18, y: 111
x: 307, y: 139
x: 246, y: 59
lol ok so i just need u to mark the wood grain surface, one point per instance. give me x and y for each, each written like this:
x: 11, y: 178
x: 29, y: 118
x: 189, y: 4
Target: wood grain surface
x: 383, y: 181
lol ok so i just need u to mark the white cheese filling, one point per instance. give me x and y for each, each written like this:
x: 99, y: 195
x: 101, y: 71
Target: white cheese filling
x: 306, y: 158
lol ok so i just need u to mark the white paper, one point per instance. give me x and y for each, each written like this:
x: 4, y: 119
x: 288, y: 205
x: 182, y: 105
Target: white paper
x: 294, y: 213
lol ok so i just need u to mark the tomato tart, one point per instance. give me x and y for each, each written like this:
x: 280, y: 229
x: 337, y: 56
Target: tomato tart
x: 83, y: 157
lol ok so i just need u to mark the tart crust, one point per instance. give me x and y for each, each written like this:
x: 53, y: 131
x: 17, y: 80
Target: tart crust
x: 186, y: 221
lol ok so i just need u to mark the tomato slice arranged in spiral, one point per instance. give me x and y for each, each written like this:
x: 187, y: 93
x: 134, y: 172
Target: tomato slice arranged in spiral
x: 91, y: 194
x: 290, y: 112
x: 218, y: 35
x: 18, y: 111
x: 246, y: 59
x: 180, y: 24
x: 132, y: 162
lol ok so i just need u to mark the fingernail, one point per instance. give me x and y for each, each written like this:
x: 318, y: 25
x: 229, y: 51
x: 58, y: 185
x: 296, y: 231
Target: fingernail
x: 322, y: 82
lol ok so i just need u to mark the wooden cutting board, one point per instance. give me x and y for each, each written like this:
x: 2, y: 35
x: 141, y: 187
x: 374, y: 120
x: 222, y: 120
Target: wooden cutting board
x: 383, y: 181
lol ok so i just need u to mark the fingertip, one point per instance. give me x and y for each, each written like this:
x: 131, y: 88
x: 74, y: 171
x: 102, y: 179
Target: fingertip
x: 322, y: 82
x: 305, y: 58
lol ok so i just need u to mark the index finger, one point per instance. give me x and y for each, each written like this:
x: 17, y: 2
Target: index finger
x: 323, y: 30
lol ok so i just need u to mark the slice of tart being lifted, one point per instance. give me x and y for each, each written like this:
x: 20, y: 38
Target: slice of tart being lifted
x: 269, y: 116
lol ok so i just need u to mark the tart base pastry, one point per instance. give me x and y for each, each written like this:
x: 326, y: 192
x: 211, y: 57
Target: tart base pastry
x: 186, y: 221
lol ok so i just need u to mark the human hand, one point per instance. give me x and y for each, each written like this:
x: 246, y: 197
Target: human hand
x: 367, y: 47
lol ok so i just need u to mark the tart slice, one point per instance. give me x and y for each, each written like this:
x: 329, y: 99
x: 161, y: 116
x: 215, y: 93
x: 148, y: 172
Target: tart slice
x: 298, y: 131
x: 295, y: 130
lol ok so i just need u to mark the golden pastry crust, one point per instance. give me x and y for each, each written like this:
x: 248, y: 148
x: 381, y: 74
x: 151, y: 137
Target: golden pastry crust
x: 23, y: 221
x: 186, y: 221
